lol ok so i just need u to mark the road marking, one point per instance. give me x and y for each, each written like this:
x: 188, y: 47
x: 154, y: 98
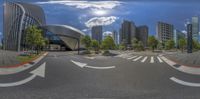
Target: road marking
x: 82, y: 65
x: 144, y: 59
x: 79, y: 63
x: 131, y: 57
x: 160, y: 60
x: 94, y: 67
x: 40, y: 71
x: 90, y: 57
x: 152, y: 59
x: 184, y: 82
x: 125, y: 56
x: 137, y: 58
x: 182, y: 68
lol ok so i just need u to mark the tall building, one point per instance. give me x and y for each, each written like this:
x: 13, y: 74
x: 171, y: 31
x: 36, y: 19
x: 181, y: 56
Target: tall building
x: 195, y: 28
x: 164, y: 31
x: 189, y: 38
x: 127, y: 32
x: 115, y: 36
x: 97, y: 33
x: 18, y: 16
x: 142, y: 34
x: 177, y: 36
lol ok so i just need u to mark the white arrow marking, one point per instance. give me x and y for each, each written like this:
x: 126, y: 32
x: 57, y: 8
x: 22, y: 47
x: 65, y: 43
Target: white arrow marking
x: 82, y: 65
x: 90, y: 57
x: 79, y: 64
x: 108, y: 67
x: 185, y: 83
x: 40, y: 71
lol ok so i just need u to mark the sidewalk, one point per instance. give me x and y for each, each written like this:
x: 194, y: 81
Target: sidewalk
x: 15, y: 68
x: 192, y: 59
x: 8, y: 58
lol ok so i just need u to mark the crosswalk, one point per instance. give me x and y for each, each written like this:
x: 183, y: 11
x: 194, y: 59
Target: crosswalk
x: 142, y: 59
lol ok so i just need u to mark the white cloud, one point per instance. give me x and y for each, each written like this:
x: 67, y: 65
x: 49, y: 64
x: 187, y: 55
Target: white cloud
x: 96, y: 21
x: 107, y: 33
x: 184, y: 31
x: 86, y: 4
x: 85, y: 30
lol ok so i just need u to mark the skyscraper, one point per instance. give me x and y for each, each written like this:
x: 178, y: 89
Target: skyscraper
x: 195, y: 28
x: 97, y: 33
x: 17, y: 17
x: 127, y: 32
x: 142, y: 34
x: 164, y: 31
x: 115, y: 37
x: 177, y: 36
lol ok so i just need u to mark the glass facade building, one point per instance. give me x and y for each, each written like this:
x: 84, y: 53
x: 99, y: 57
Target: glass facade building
x: 195, y: 28
x: 19, y: 16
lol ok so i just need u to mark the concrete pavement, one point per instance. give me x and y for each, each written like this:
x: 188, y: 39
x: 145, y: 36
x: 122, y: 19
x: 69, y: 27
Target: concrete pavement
x: 129, y: 80
x: 8, y: 58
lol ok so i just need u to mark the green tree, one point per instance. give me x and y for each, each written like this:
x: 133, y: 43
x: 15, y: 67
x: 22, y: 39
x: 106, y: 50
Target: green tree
x: 169, y: 44
x: 135, y: 43
x: 34, y: 38
x: 195, y: 44
x: 140, y: 46
x: 95, y: 45
x: 86, y: 40
x: 108, y: 43
x: 152, y: 42
x: 122, y: 47
x: 182, y: 43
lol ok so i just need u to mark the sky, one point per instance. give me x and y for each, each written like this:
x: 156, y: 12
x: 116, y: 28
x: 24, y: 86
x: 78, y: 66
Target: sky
x: 110, y: 14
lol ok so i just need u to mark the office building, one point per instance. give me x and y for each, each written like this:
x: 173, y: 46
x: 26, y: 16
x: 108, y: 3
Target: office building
x: 115, y: 37
x: 177, y: 36
x: 142, y: 34
x: 164, y: 31
x: 127, y: 32
x: 195, y: 28
x: 97, y: 33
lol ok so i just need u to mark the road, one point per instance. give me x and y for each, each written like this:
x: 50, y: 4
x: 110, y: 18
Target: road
x: 129, y: 79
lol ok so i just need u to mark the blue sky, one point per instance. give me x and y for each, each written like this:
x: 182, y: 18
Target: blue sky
x: 85, y: 14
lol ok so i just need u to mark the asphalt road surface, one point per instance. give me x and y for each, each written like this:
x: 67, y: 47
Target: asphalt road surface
x: 128, y: 80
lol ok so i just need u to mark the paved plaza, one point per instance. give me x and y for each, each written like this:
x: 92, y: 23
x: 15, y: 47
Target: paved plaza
x: 8, y: 58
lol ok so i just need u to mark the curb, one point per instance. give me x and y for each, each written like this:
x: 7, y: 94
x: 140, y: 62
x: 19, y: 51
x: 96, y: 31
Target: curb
x: 182, y: 68
x: 179, y: 63
x: 24, y: 63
